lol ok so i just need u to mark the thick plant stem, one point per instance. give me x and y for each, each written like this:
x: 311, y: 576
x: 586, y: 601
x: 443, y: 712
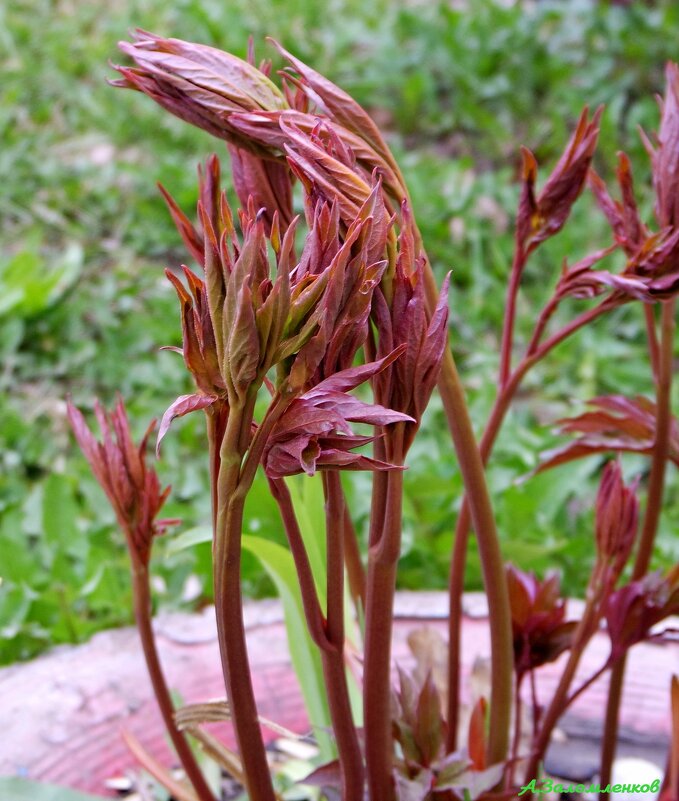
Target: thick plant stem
x: 458, y: 565
x: 656, y: 488
x: 503, y: 400
x: 233, y: 649
x: 610, y: 733
x: 348, y: 749
x: 471, y: 467
x: 142, y: 614
x: 229, y: 611
x: 382, y: 564
x: 492, y: 564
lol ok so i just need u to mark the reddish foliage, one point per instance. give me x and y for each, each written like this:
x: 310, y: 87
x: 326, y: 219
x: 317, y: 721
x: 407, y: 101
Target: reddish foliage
x: 119, y: 465
x: 541, y: 632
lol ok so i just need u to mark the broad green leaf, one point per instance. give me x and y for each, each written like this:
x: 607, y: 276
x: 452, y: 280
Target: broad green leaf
x: 308, y: 501
x: 309, y: 504
x: 31, y: 283
x: 306, y: 661
x: 189, y: 538
x: 16, y: 789
x: 15, y: 603
x: 59, y: 515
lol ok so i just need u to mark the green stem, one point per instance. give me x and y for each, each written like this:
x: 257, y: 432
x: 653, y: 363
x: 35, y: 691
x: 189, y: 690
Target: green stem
x: 382, y: 565
x: 142, y: 613
x: 662, y: 358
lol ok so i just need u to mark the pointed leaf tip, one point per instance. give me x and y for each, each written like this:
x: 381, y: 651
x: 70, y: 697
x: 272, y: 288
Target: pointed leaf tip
x: 183, y: 405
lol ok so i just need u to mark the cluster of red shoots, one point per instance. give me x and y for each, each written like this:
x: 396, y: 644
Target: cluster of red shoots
x: 355, y: 303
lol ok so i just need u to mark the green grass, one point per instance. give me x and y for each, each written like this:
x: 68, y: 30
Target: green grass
x: 84, y: 305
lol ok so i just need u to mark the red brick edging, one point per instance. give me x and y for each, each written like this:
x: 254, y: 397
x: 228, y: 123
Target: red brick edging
x: 61, y: 714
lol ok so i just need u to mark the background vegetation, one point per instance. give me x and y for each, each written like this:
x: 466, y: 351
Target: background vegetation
x: 84, y: 305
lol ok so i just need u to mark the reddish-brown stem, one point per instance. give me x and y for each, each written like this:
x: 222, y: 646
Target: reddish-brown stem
x: 312, y: 607
x: 229, y: 609
x: 543, y: 321
x: 332, y: 656
x: 517, y: 730
x: 588, y: 683
x: 348, y: 749
x: 476, y: 488
x: 334, y: 525
x: 656, y: 488
x: 459, y: 557
x: 233, y: 649
x: 661, y: 447
x: 652, y: 339
x: 610, y: 733
x: 518, y: 263
x: 534, y: 702
x: 379, y: 495
x: 142, y: 613
x: 583, y: 633
x: 671, y: 782
x: 352, y: 560
x: 382, y: 564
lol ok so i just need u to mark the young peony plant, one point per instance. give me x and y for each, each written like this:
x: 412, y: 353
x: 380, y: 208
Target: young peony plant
x: 301, y: 325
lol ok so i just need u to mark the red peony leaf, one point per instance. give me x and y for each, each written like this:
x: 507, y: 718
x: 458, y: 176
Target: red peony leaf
x: 183, y: 405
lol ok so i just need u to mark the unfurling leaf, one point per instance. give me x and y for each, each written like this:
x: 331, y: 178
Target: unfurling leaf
x: 616, y: 423
x: 185, y: 404
x: 540, y: 630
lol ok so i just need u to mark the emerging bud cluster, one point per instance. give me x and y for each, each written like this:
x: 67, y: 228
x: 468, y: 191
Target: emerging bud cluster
x: 540, y: 217
x: 119, y: 465
x: 401, y: 321
x: 541, y: 632
x: 634, y: 610
x: 617, y: 520
x: 652, y: 270
x: 305, y: 323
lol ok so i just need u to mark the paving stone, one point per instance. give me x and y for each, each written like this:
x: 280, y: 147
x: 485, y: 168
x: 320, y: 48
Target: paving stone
x: 61, y: 714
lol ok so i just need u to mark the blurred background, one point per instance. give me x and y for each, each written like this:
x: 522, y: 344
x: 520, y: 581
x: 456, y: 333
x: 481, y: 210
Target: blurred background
x: 457, y: 86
